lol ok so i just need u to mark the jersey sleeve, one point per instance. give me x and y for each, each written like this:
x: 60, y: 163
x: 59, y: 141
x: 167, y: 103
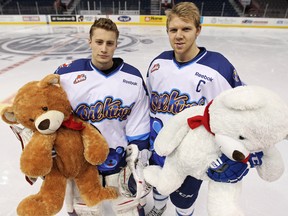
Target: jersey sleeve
x: 148, y: 77
x: 148, y: 83
x: 233, y: 77
x: 62, y: 68
x: 228, y: 71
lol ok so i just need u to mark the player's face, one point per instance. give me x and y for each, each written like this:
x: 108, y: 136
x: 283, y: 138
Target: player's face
x: 103, y: 44
x: 182, y: 36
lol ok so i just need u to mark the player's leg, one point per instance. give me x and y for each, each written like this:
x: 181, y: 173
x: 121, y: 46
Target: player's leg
x: 75, y: 205
x: 160, y: 201
x: 160, y: 204
x: 125, y: 206
x: 130, y: 181
x: 185, y: 197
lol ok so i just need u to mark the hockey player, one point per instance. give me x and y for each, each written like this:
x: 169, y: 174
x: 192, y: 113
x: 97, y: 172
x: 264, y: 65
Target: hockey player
x: 186, y: 76
x: 111, y: 95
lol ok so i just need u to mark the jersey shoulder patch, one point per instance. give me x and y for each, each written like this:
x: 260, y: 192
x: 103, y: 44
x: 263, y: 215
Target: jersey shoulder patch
x: 127, y: 68
x: 77, y: 65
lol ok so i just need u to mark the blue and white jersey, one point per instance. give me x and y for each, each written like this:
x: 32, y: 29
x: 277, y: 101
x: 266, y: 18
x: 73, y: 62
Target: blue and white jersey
x: 116, y: 103
x: 175, y: 86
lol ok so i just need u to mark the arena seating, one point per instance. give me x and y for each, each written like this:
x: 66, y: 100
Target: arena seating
x: 214, y: 7
x: 106, y: 5
x: 28, y: 7
x: 273, y: 8
x: 228, y: 8
x: 265, y: 8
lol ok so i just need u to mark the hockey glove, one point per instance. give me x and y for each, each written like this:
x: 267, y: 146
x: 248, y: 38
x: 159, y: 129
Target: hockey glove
x: 131, y: 180
x: 255, y: 159
x: 24, y: 135
x: 226, y: 170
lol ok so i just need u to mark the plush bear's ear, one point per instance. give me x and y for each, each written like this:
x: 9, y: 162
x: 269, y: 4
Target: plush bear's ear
x: 51, y: 79
x: 8, y: 116
x: 244, y: 98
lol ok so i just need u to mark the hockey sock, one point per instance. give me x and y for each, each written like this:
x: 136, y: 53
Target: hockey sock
x: 159, y: 200
x: 185, y: 212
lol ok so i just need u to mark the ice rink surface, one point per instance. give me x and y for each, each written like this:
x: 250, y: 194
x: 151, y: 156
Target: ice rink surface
x: 31, y: 52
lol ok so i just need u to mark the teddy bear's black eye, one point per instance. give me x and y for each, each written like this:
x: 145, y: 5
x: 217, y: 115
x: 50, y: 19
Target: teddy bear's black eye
x: 32, y: 120
x: 241, y: 137
x: 44, y: 108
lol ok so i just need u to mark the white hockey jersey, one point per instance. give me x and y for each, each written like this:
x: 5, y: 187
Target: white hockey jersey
x: 175, y: 86
x: 116, y: 103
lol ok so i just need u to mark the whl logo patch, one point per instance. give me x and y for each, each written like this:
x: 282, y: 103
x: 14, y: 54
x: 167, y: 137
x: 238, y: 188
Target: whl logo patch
x: 80, y: 78
x: 155, y: 67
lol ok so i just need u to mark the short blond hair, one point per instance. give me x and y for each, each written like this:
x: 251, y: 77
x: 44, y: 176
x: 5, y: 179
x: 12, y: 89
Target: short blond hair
x: 186, y: 11
x: 106, y: 24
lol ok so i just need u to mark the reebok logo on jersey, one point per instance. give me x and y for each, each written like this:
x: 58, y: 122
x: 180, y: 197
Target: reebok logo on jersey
x: 204, y: 77
x: 80, y: 78
x: 129, y: 82
x: 155, y: 67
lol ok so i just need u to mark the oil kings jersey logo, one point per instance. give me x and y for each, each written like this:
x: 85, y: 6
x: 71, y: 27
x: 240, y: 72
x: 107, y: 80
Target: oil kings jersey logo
x: 172, y: 103
x: 108, y: 109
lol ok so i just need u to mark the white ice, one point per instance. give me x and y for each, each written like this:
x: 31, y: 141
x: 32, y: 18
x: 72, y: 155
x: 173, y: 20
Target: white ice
x: 31, y: 52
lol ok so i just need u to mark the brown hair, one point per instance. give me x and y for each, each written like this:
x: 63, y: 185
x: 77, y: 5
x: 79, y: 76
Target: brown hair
x: 187, y: 11
x: 104, y: 23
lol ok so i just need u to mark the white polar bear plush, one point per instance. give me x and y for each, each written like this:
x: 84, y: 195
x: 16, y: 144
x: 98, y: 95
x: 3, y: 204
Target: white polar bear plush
x: 238, y: 122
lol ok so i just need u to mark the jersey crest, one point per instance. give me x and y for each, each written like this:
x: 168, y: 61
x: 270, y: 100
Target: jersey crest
x: 173, y: 102
x: 108, y: 109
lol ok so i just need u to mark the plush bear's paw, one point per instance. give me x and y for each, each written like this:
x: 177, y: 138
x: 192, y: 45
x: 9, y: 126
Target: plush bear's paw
x: 28, y: 169
x: 105, y: 193
x: 32, y: 205
x: 151, y: 174
x: 95, y: 154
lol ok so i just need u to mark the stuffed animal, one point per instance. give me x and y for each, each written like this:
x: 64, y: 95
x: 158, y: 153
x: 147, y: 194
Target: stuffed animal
x: 43, y: 107
x: 238, y: 122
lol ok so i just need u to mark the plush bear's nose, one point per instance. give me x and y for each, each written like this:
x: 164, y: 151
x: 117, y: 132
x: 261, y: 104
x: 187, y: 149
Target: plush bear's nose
x: 44, y: 124
x: 238, y: 156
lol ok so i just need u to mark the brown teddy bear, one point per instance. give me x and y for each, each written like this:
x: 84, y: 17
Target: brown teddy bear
x: 43, y: 107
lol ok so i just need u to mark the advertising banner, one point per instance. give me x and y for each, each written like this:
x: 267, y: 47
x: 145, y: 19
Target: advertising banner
x: 153, y: 20
x: 23, y: 19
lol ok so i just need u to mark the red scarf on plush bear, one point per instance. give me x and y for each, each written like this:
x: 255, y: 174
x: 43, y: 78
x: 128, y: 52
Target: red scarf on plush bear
x: 72, y: 124
x: 199, y: 120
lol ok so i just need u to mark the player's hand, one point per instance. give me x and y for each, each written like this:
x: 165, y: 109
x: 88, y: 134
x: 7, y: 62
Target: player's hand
x: 226, y: 170
x: 255, y: 159
x: 133, y: 155
x: 24, y: 135
x: 131, y: 182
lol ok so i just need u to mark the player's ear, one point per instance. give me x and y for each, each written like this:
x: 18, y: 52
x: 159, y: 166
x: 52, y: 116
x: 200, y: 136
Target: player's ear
x: 89, y: 42
x: 199, y: 28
